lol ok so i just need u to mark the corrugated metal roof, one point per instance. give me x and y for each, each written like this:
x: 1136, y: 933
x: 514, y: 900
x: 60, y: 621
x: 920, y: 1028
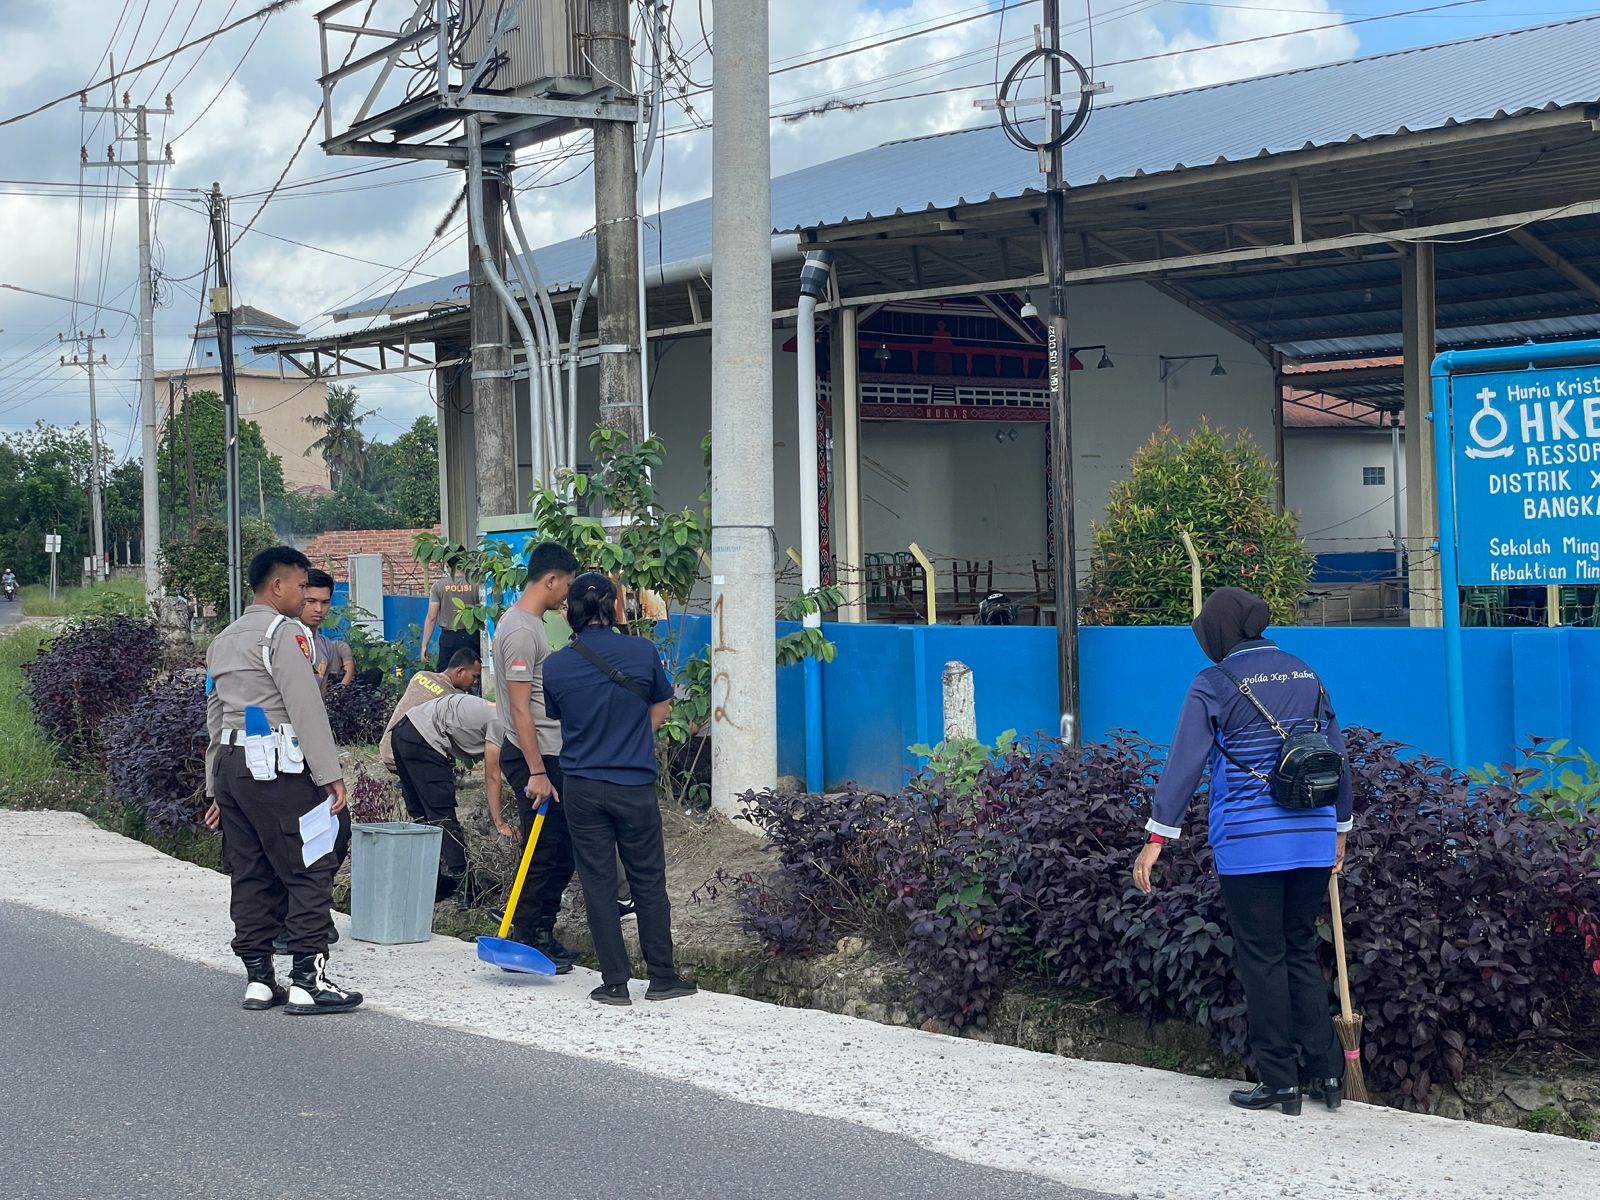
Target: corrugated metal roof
x: 1432, y: 87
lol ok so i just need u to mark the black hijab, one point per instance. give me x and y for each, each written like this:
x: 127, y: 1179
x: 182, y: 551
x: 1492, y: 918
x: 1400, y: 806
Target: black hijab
x: 1228, y: 617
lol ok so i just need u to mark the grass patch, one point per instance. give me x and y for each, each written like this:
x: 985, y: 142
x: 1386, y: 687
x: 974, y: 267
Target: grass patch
x: 32, y: 774
x: 115, y: 595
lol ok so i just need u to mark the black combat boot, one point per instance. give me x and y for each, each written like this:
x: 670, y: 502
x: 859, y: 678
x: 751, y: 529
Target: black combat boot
x: 263, y: 991
x: 543, y: 939
x: 310, y: 991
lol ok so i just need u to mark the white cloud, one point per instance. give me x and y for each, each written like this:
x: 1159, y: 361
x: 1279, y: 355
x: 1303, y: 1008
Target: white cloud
x: 254, y: 121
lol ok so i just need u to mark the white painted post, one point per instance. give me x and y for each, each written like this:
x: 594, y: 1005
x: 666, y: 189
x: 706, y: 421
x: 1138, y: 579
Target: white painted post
x: 960, y: 703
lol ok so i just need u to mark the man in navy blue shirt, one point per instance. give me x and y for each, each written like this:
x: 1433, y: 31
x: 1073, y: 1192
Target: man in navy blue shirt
x: 610, y: 695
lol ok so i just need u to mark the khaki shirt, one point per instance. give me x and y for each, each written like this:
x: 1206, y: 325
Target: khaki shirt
x: 458, y: 726
x: 445, y: 593
x: 331, y: 658
x: 520, y: 648
x: 424, y: 686
x: 287, y: 693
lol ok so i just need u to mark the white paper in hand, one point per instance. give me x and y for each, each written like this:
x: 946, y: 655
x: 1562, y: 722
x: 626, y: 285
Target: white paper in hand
x: 317, y: 830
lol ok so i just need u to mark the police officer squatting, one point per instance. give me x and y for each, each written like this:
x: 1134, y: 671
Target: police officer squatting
x: 273, y: 772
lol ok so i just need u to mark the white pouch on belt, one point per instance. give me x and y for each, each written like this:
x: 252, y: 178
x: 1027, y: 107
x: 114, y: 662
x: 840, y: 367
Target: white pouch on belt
x: 260, y: 745
x: 291, y: 759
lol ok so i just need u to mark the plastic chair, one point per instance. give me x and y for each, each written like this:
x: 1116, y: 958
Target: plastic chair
x: 1577, y: 606
x: 1482, y: 606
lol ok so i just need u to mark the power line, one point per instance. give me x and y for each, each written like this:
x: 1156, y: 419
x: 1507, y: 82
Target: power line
x: 265, y: 11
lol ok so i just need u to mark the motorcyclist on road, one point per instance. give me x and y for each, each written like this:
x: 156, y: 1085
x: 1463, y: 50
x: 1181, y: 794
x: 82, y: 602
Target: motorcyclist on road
x: 9, y: 582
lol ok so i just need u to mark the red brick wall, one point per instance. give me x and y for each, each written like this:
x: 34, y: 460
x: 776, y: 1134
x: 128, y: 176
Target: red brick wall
x: 402, y: 575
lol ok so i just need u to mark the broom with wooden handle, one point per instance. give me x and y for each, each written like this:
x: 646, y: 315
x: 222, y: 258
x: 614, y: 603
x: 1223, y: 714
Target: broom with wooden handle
x: 1348, y: 1024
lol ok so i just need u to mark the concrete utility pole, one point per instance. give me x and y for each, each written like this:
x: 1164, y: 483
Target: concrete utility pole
x: 97, y: 525
x: 138, y: 123
x: 1058, y: 132
x: 744, y: 744
x: 616, y: 205
x: 1060, y: 367
x: 222, y: 313
x: 494, y: 416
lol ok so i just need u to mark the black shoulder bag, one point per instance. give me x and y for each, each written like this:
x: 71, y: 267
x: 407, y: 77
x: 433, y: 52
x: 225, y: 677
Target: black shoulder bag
x: 1308, y: 771
x: 610, y: 672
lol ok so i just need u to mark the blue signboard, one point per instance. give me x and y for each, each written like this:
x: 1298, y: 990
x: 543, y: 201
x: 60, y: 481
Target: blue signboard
x: 1527, y: 476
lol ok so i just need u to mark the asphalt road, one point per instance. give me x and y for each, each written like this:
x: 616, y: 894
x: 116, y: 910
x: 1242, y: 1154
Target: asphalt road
x: 126, y: 1074
x: 10, y: 612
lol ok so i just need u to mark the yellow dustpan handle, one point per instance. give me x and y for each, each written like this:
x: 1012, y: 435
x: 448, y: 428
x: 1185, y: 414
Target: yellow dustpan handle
x: 522, y: 871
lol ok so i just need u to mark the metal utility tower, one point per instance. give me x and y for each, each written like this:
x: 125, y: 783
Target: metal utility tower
x: 97, y: 524
x: 132, y: 123
x: 470, y: 83
x: 744, y: 719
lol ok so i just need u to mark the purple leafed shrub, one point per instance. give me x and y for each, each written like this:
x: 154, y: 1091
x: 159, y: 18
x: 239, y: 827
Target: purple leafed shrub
x: 375, y: 797
x: 155, y: 755
x: 92, y: 669
x: 358, y: 711
x: 1472, y: 923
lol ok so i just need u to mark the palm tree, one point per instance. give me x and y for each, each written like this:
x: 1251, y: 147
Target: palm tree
x: 341, y: 443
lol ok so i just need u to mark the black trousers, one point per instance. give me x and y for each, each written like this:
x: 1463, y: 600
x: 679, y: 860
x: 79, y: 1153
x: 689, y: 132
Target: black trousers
x: 1274, y: 920
x: 608, y: 819
x: 451, y: 640
x: 274, y: 892
x: 551, y: 869
x: 428, y: 782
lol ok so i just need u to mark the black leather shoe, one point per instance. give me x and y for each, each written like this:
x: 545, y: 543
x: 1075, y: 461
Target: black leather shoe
x: 1262, y: 1097
x: 1329, y: 1091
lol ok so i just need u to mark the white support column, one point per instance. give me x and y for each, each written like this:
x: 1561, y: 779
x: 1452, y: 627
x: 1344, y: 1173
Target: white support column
x: 744, y: 693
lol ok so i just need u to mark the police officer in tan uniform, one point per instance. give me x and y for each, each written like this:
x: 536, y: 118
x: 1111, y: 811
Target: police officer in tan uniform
x: 271, y: 761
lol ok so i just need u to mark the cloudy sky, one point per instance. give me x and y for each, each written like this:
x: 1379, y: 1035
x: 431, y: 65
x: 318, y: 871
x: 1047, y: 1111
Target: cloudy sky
x: 243, y: 101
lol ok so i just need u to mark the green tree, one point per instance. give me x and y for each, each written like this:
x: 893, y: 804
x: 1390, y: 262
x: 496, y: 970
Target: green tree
x: 122, y: 503
x: 351, y: 507
x: 1223, y: 494
x: 197, y: 565
x: 201, y: 425
x: 404, y: 474
x: 44, y: 488
x: 342, y: 441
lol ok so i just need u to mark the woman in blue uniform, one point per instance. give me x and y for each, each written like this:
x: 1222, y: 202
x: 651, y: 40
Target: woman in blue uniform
x: 1273, y: 862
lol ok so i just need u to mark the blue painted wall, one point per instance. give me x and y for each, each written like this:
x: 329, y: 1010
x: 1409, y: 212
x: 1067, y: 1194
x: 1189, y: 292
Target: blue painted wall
x: 882, y: 693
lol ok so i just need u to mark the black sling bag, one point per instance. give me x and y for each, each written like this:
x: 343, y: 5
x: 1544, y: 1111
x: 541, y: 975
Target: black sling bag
x: 1308, y: 770
x: 610, y: 672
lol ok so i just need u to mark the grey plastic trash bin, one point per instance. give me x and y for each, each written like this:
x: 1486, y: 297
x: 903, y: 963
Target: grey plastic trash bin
x: 394, y: 868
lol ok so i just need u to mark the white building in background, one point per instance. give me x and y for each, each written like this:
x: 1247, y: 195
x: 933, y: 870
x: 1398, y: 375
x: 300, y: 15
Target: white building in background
x: 277, y: 401
x: 1347, y: 486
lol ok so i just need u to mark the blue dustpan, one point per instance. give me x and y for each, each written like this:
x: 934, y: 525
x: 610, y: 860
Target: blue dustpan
x: 514, y: 956
x: 501, y: 951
